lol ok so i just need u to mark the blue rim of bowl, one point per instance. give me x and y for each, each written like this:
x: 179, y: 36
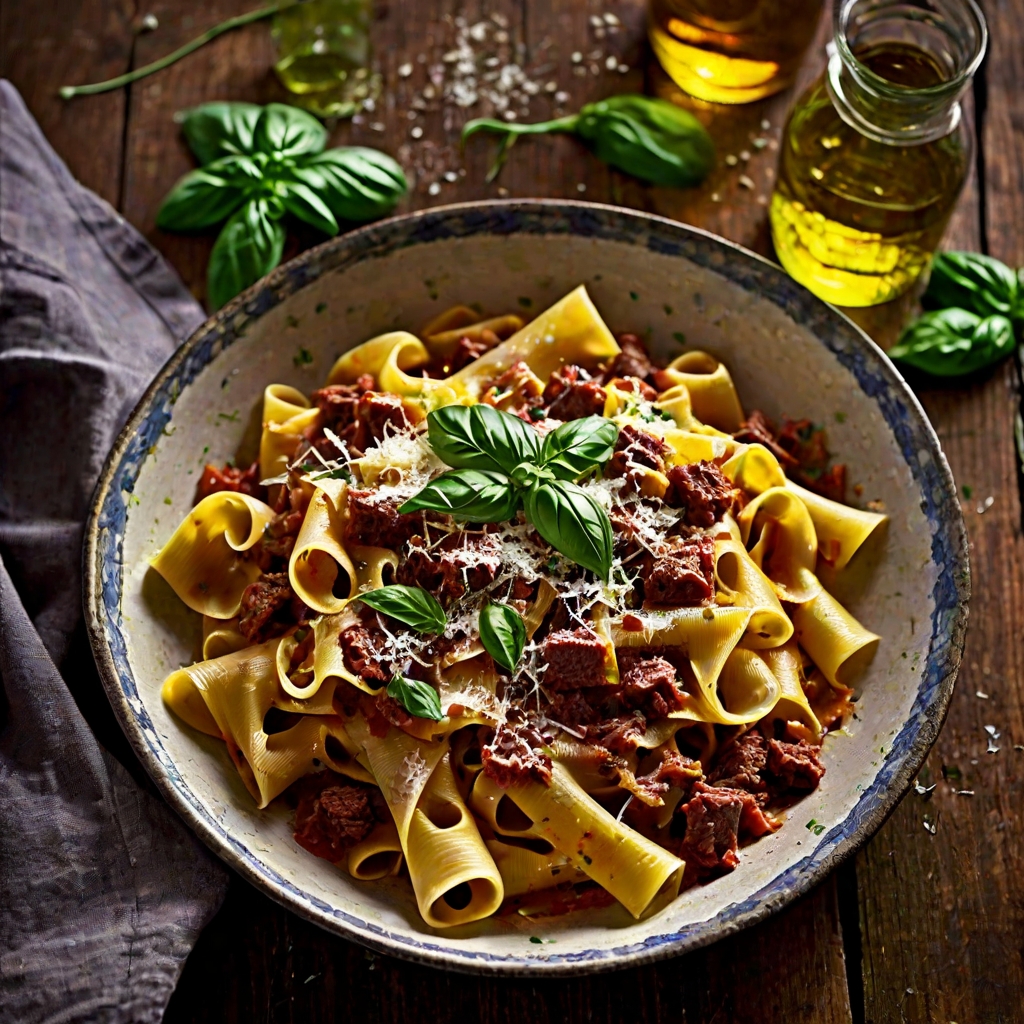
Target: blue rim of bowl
x: 876, y: 376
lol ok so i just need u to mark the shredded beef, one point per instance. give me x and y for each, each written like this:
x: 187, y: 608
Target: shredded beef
x: 575, y: 659
x: 682, y: 578
x: 360, y: 416
x: 620, y: 735
x: 458, y: 563
x: 648, y: 683
x: 515, y: 754
x: 362, y: 650
x: 269, y: 607
x: 468, y: 350
x: 635, y: 449
x: 741, y: 764
x: 674, y: 771
x: 570, y: 394
x: 516, y: 391
x: 712, y: 827
x: 230, y: 478
x: 758, y: 429
x: 332, y: 815
x: 632, y: 361
x: 703, y: 490
x: 572, y: 708
x: 376, y: 522
x: 795, y: 765
x: 279, y: 535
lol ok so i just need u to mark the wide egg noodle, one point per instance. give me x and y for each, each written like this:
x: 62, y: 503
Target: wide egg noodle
x: 833, y: 639
x: 287, y: 415
x: 841, y: 530
x: 205, y: 560
x: 319, y: 566
x: 712, y: 393
x: 377, y: 856
x: 793, y: 705
x: 743, y: 584
x: 747, y: 688
x: 525, y: 870
x: 221, y: 637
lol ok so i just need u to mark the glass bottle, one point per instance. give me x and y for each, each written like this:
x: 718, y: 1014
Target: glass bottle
x: 732, y: 51
x: 875, y: 153
x: 324, y: 53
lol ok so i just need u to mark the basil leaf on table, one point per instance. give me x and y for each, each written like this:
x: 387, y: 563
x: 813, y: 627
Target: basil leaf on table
x: 285, y: 131
x: 199, y: 200
x: 355, y: 182
x: 248, y: 247
x: 418, y: 698
x: 481, y: 437
x: 971, y: 281
x: 412, y: 606
x: 503, y: 634
x: 221, y: 129
x: 302, y: 202
x: 578, y: 446
x: 474, y: 495
x: 953, y: 342
x: 572, y: 522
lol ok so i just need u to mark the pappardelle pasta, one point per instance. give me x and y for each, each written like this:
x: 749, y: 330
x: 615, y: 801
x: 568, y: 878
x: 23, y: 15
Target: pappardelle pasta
x: 511, y: 608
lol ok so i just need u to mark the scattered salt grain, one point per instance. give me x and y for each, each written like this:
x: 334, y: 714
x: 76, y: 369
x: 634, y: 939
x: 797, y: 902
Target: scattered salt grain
x: 765, y: 124
x: 612, y: 63
x: 451, y: 176
x: 745, y: 155
x: 417, y: 132
x: 150, y: 23
x: 746, y: 181
x: 435, y: 189
x: 731, y: 160
x: 979, y: 694
x: 623, y: 68
x: 581, y: 187
x: 405, y: 70
x: 576, y: 57
x: 985, y: 505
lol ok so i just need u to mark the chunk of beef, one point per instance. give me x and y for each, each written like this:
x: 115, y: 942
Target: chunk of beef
x: 379, y: 415
x: 675, y: 771
x: 571, y: 708
x: 230, y: 478
x: 575, y: 659
x: 468, y: 350
x: 648, y: 682
x: 808, y: 446
x: 332, y: 815
x: 275, y: 546
x: 363, y: 651
x: 269, y: 608
x: 795, y: 765
x: 375, y: 521
x: 712, y: 827
x: 632, y: 361
x: 517, y: 391
x: 741, y: 764
x: 339, y: 403
x: 570, y: 394
x: 621, y: 735
x: 515, y: 755
x: 460, y: 562
x: 682, y: 578
x: 360, y: 416
x: 758, y: 429
x: 636, y: 449
x: 703, y: 490
x: 634, y: 384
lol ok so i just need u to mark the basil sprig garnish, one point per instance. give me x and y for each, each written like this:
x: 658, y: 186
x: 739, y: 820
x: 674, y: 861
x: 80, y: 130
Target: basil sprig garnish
x: 412, y: 606
x: 652, y: 139
x: 501, y: 465
x: 503, y: 634
x: 260, y: 164
x: 418, y: 698
x: 977, y: 283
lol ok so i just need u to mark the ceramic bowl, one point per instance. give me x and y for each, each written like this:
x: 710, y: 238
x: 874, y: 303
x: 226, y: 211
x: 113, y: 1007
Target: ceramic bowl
x: 789, y: 353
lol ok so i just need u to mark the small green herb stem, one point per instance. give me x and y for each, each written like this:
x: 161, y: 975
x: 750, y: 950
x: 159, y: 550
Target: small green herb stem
x: 68, y: 92
x: 492, y: 124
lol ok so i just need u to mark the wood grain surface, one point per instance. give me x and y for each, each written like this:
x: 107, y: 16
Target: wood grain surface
x: 920, y: 928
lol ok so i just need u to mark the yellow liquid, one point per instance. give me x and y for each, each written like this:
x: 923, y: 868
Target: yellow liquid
x: 854, y: 220
x: 732, y: 51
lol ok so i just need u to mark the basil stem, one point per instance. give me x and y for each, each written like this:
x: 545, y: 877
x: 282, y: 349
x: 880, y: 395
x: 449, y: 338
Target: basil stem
x: 412, y: 606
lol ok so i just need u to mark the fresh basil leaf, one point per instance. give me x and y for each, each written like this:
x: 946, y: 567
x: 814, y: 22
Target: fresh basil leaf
x: 481, y: 437
x: 249, y: 246
x: 503, y: 634
x: 572, y: 522
x: 301, y: 201
x: 199, y: 200
x: 412, y: 606
x: 356, y: 183
x: 578, y: 446
x: 284, y: 131
x: 474, y: 495
x: 221, y: 129
x: 418, y: 698
x: 953, y: 342
x: 968, y: 280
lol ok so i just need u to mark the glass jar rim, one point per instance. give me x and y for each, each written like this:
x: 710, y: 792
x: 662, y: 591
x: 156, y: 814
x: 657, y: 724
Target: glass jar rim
x: 884, y: 87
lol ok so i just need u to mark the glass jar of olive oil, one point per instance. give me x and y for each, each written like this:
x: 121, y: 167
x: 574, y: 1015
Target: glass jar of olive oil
x: 732, y: 51
x: 875, y: 153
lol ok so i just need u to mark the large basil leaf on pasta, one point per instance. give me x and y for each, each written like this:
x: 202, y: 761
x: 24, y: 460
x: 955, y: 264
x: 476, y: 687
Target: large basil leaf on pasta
x: 199, y: 200
x: 503, y: 634
x: 481, y: 437
x: 215, y: 130
x: 412, y: 606
x: 578, y: 446
x: 473, y: 495
x: 249, y: 246
x: 418, y: 698
x: 285, y: 131
x: 355, y: 182
x: 572, y: 522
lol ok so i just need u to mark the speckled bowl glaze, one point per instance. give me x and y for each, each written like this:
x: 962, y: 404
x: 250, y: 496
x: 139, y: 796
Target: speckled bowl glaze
x: 789, y: 353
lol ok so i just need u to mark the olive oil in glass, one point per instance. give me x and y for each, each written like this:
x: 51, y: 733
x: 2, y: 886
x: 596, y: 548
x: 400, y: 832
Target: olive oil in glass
x: 732, y: 51
x: 875, y: 153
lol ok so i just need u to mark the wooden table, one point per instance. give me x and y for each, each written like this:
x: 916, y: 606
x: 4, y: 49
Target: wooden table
x: 919, y: 928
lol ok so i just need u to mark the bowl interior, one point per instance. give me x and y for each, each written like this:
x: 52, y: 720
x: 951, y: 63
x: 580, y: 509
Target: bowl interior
x: 789, y: 355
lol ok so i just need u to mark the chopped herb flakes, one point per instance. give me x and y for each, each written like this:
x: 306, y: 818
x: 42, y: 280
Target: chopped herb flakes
x: 303, y: 357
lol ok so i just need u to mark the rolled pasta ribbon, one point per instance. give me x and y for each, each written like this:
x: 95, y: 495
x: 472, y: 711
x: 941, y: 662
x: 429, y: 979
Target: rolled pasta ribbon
x: 220, y: 638
x: 319, y: 564
x: 591, y: 766
x: 524, y: 870
x: 453, y: 873
x: 450, y: 319
x: 747, y: 688
x: 793, y: 705
x: 408, y: 351
x: 286, y: 415
x: 371, y: 356
x: 712, y: 393
x: 443, y: 342
x: 183, y: 697
x: 493, y: 806
x: 377, y: 856
x: 687, y: 446
x: 753, y: 468
x: 637, y: 872
x: 746, y: 586
x: 841, y: 530
x: 833, y: 639
x: 676, y: 402
x: 785, y: 546
x: 570, y: 331
x: 283, y: 660
x: 374, y: 567
x: 205, y: 561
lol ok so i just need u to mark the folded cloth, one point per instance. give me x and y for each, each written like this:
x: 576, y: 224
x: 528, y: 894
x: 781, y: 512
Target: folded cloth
x: 103, y: 891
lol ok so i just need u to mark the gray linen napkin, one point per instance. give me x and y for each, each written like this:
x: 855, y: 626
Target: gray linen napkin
x: 103, y: 891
